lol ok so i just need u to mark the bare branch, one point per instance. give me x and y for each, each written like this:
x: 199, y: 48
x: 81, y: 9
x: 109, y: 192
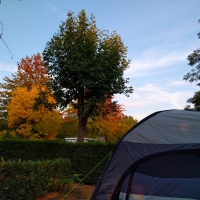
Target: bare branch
x: 3, y: 40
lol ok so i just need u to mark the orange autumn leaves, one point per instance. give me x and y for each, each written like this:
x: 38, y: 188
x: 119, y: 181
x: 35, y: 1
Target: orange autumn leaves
x: 20, y: 93
x: 110, y: 122
x: 25, y: 122
x: 30, y: 72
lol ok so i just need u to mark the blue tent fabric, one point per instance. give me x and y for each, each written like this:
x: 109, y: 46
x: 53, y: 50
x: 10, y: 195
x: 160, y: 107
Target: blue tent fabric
x: 167, y: 187
x: 159, y: 158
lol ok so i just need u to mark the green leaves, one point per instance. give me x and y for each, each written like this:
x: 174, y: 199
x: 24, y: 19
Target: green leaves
x: 80, y: 55
x: 194, y: 75
x: 195, y: 100
x: 85, y: 64
x: 194, y: 59
x: 28, y: 179
x: 83, y: 158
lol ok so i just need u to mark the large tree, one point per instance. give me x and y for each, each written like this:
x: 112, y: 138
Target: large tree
x: 194, y: 75
x: 30, y: 71
x: 85, y: 65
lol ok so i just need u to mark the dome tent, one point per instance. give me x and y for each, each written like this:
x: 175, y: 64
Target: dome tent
x: 159, y: 158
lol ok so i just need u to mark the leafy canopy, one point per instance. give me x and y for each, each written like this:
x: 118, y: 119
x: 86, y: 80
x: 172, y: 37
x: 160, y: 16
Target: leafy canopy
x: 30, y: 71
x: 18, y: 96
x: 80, y: 56
x: 195, y: 100
x: 194, y: 59
x: 194, y: 75
x: 27, y: 123
x: 85, y: 66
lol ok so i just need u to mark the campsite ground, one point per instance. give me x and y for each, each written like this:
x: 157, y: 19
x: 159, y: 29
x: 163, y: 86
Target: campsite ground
x: 81, y: 192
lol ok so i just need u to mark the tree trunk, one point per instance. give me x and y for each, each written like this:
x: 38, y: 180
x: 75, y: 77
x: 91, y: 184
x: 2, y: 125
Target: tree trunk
x: 81, y: 129
x: 81, y: 116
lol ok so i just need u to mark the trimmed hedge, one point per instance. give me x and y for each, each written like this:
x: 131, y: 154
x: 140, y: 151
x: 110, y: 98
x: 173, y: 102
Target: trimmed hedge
x: 21, y: 180
x: 34, y: 150
x: 84, y: 156
x: 89, y: 156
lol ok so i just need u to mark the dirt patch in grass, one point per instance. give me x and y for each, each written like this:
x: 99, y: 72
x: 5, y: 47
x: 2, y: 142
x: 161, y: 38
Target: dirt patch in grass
x: 81, y: 192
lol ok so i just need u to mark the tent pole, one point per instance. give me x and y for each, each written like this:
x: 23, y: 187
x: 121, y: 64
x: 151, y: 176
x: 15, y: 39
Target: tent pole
x: 129, y: 186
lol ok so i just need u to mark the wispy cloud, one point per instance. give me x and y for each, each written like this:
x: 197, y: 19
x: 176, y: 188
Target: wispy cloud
x: 178, y: 83
x: 55, y: 9
x: 8, y: 67
x: 158, y: 95
x: 151, y: 98
x: 52, y: 7
x: 154, y: 59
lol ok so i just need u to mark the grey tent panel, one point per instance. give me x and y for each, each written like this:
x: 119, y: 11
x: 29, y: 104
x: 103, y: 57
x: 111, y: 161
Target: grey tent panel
x: 158, y: 158
x: 172, y: 127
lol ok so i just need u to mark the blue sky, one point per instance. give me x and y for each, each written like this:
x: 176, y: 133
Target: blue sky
x: 159, y: 34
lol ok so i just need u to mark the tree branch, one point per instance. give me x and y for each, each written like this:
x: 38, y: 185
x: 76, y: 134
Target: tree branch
x: 4, y: 41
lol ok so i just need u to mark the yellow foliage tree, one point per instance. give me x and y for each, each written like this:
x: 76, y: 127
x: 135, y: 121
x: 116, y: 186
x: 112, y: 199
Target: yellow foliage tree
x: 28, y: 123
x: 30, y: 71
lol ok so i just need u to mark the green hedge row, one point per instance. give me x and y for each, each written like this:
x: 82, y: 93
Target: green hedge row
x: 84, y: 156
x: 21, y: 180
x: 35, y: 150
x: 87, y: 157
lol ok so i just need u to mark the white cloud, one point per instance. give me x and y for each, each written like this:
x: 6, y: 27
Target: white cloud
x: 151, y: 98
x: 8, y: 67
x: 178, y: 83
x: 154, y: 59
x: 158, y: 95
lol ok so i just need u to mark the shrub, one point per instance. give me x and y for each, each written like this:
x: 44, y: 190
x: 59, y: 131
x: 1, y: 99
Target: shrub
x: 21, y: 180
x: 35, y: 150
x: 87, y: 157
x: 84, y: 156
